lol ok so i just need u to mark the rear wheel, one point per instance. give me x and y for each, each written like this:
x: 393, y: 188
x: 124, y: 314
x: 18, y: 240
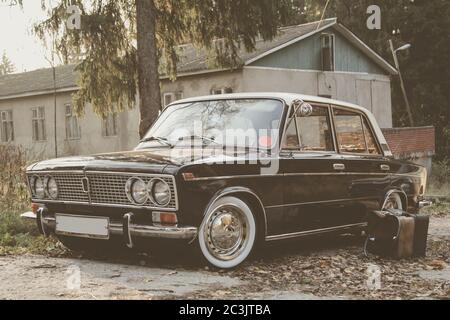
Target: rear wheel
x: 228, y: 233
x: 392, y: 201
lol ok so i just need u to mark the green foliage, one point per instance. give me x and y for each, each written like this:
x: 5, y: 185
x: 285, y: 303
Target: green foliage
x: 437, y: 210
x: 18, y: 237
x: 13, y: 186
x: 440, y: 179
x: 425, y: 67
x: 106, y: 43
x: 16, y: 234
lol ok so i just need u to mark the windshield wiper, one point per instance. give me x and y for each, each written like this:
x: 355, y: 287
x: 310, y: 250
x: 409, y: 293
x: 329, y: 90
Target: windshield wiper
x: 199, y: 137
x: 158, y: 139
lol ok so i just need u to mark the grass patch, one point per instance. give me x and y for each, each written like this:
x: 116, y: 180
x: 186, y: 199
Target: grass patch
x: 439, y: 190
x: 18, y: 236
x: 437, y: 209
x: 440, y: 178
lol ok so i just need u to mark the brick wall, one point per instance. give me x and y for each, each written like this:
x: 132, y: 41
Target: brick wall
x: 407, y: 141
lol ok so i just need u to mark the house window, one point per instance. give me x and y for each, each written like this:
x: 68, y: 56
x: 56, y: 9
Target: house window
x: 38, y: 124
x: 109, y: 127
x: 170, y: 97
x: 73, y: 130
x: 225, y: 90
x: 6, y: 126
x: 350, y: 132
x: 328, y: 51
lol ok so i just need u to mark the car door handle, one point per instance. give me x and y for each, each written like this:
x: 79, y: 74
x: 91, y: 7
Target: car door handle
x: 385, y: 167
x: 339, y: 166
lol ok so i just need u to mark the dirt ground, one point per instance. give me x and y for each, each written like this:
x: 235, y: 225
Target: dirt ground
x: 314, y: 268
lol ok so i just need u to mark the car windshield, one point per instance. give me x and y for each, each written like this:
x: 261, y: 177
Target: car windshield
x: 250, y: 123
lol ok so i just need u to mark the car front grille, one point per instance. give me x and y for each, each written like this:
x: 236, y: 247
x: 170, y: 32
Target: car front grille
x: 104, y: 188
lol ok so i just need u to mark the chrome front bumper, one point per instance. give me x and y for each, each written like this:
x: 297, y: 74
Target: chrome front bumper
x: 424, y: 204
x: 128, y: 230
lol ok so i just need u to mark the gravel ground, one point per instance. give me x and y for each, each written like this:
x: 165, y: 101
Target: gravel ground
x: 313, y: 268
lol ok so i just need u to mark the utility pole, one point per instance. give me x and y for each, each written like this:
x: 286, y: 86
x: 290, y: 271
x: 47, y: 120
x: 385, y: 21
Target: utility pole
x: 402, y: 84
x: 55, y: 108
x: 52, y: 64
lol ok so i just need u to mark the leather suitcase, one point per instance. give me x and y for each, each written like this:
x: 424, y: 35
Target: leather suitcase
x: 390, y: 235
x: 405, y: 238
x: 422, y: 223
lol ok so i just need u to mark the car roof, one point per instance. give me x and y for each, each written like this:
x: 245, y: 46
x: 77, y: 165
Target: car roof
x: 287, y: 97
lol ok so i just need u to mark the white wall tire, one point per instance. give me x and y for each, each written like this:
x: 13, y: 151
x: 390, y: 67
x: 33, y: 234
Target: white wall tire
x: 228, y: 233
x: 393, y: 200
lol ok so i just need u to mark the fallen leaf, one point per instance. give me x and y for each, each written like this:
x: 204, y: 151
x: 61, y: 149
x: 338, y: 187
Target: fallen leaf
x: 438, y: 264
x: 44, y: 266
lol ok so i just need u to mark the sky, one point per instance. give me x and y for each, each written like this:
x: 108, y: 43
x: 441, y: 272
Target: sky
x: 24, y: 49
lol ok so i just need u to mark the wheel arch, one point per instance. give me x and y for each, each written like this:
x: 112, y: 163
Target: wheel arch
x: 247, y: 195
x: 402, y: 194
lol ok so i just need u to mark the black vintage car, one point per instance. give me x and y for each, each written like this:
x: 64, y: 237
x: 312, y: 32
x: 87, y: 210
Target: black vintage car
x: 227, y: 173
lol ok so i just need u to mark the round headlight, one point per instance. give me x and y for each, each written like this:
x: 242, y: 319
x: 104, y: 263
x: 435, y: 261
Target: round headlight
x: 52, y: 188
x: 39, y: 188
x: 160, y: 192
x: 136, y: 190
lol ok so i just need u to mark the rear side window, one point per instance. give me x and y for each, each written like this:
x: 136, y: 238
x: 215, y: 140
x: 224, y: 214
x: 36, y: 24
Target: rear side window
x: 371, y: 142
x: 353, y: 133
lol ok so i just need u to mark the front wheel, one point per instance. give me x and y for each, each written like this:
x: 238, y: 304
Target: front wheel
x: 228, y: 233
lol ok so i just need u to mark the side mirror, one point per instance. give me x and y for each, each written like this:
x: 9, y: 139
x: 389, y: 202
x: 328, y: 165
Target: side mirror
x: 305, y: 110
x: 302, y: 109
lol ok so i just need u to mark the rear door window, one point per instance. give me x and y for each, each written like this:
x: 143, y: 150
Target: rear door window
x: 370, y: 138
x: 353, y: 133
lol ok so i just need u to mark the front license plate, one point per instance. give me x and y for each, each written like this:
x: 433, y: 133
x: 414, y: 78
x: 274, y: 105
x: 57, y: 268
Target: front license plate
x: 81, y: 226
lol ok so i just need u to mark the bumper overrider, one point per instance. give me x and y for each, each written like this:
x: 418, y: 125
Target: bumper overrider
x: 127, y: 229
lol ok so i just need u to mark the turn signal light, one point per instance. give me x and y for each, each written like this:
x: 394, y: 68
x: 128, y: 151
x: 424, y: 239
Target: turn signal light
x: 165, y: 218
x: 34, y: 208
x: 169, y: 218
x: 188, y: 176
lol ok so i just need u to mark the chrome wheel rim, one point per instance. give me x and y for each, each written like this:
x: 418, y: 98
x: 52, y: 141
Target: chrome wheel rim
x: 226, y: 232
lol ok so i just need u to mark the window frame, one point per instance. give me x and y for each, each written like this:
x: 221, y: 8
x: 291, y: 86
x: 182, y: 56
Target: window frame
x: 105, y: 124
x: 173, y: 95
x: 330, y: 123
x: 38, y: 120
x: 222, y: 91
x: 333, y: 43
x: 6, y: 121
x: 363, y: 117
x: 66, y: 116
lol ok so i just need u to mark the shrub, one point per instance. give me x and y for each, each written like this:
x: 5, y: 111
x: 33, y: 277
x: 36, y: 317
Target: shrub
x: 441, y: 172
x: 13, y: 184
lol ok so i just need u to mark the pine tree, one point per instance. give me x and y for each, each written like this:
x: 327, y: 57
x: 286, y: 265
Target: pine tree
x: 6, y: 66
x: 124, y: 45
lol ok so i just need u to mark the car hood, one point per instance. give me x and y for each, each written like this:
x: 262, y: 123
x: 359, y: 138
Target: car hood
x: 149, y: 160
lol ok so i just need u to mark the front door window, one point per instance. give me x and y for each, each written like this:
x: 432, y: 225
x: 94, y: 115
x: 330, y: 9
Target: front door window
x: 310, y: 133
